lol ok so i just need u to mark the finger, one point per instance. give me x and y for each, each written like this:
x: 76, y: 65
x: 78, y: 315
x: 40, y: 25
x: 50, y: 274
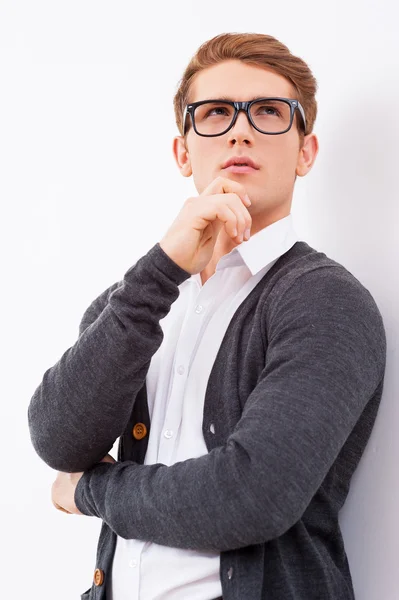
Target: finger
x: 225, y: 186
x: 58, y: 507
x: 224, y: 208
x: 243, y: 217
x: 230, y: 219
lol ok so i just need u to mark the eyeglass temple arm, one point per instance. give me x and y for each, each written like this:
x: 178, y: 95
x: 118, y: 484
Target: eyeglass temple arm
x: 302, y: 114
x: 184, y: 120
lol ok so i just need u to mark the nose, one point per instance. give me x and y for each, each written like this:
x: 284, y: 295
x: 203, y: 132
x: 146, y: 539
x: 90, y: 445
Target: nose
x: 242, y: 119
x: 242, y: 128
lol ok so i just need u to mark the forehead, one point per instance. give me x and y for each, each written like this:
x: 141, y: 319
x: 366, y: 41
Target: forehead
x: 236, y: 80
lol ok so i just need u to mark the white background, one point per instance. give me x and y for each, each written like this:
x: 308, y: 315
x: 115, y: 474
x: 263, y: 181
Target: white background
x: 88, y: 184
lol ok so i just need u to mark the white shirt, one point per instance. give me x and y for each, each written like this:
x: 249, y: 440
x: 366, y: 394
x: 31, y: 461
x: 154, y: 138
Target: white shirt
x: 176, y: 384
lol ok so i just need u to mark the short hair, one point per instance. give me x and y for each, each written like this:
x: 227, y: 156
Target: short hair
x: 255, y: 49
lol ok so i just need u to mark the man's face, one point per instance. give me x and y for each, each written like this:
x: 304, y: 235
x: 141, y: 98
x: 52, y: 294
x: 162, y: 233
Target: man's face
x: 278, y: 156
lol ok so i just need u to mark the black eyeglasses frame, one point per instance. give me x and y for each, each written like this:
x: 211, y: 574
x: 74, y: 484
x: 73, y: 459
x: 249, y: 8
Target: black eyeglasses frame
x: 245, y: 105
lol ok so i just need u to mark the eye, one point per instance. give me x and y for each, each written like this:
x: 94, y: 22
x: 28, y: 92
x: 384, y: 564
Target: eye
x: 221, y: 108
x: 270, y: 108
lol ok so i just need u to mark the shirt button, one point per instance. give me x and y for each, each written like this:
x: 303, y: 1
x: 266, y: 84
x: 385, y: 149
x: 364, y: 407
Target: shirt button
x: 230, y: 573
x: 133, y: 563
x: 198, y: 308
x: 168, y: 433
x: 180, y: 369
x: 212, y: 428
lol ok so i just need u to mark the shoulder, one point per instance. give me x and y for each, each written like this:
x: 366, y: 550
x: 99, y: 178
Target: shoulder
x: 311, y: 274
x: 313, y: 290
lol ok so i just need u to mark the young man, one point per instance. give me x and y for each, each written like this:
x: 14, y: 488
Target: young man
x: 243, y: 415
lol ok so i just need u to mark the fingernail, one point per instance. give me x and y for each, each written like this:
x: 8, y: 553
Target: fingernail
x: 247, y: 233
x: 247, y: 199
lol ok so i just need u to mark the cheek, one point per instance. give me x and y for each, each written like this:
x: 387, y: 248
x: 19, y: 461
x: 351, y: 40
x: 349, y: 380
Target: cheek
x: 285, y: 158
x: 205, y: 164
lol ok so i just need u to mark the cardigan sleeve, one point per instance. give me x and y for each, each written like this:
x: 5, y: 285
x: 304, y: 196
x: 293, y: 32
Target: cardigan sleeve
x: 325, y: 362
x: 85, y: 399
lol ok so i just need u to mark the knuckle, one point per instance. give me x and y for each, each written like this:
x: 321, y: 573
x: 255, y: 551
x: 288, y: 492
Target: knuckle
x: 189, y: 204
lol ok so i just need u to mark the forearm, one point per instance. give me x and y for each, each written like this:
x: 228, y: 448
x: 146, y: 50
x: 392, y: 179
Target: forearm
x: 85, y: 400
x: 183, y: 505
x: 249, y: 491
x: 325, y: 361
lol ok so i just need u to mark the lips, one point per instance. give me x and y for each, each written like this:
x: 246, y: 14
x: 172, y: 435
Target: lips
x: 238, y: 169
x: 240, y: 161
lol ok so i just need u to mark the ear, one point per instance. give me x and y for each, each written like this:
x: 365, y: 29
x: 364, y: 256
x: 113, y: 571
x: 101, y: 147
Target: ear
x: 307, y: 154
x: 182, y: 156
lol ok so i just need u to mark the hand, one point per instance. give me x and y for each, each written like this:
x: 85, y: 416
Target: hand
x: 63, y: 489
x: 191, y: 239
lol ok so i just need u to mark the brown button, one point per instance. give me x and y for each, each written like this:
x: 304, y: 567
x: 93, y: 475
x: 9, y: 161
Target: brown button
x: 98, y: 576
x: 139, y: 431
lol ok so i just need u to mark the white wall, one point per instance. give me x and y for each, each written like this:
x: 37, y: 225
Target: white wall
x: 88, y: 185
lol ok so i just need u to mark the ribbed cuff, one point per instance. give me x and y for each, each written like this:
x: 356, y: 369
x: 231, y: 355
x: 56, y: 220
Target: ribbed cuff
x: 165, y: 264
x: 83, y: 497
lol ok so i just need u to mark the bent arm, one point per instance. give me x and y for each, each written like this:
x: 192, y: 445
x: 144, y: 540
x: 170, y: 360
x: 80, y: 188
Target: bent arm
x: 85, y: 400
x: 325, y: 361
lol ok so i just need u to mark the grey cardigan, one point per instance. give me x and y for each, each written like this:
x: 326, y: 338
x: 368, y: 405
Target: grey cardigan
x: 290, y: 405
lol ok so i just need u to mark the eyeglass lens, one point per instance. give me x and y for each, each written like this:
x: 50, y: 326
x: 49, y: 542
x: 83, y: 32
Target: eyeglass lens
x: 270, y: 116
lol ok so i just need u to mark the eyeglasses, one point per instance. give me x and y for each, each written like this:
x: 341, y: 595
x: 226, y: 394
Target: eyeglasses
x: 271, y: 116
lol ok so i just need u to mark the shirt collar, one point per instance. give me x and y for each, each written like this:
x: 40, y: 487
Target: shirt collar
x: 263, y: 247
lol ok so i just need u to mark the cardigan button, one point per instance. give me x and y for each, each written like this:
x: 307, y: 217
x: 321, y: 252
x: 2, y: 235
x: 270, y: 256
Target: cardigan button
x: 230, y: 573
x: 212, y: 428
x: 98, y: 576
x: 139, y: 431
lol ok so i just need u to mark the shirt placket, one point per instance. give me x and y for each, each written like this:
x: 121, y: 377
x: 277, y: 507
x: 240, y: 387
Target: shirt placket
x: 198, y: 305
